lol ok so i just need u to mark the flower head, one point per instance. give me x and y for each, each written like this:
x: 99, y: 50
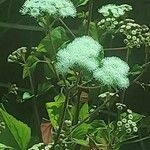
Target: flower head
x: 82, y: 52
x: 114, y: 10
x: 113, y: 72
x: 36, y: 8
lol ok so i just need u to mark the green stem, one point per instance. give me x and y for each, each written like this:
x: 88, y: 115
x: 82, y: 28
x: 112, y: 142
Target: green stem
x: 138, y: 140
x: 127, y: 55
x: 78, y: 99
x: 127, y: 61
x: 62, y: 117
x: 115, y: 49
x: 141, y: 74
x: 34, y: 101
x: 35, y: 107
x: 51, y: 40
x: 146, y: 54
x: 69, y: 30
x: 90, y: 16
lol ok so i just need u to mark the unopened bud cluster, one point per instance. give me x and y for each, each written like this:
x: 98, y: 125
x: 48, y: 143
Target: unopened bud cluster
x: 41, y: 146
x: 13, y: 89
x: 108, y: 23
x: 2, y: 126
x: 62, y: 143
x: 126, y: 122
x: 136, y: 35
x: 18, y: 55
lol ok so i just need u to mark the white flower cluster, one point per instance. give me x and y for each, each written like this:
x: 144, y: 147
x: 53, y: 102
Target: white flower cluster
x: 113, y: 72
x: 61, y: 8
x: 114, y: 10
x: 82, y: 52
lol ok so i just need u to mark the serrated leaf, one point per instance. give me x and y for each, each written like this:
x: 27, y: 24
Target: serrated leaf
x: 93, y: 31
x: 81, y: 142
x: 60, y: 97
x: 44, y: 87
x: 54, y: 110
x: 62, y: 83
x: 20, y: 131
x: 81, y: 131
x: 58, y: 37
x: 84, y: 111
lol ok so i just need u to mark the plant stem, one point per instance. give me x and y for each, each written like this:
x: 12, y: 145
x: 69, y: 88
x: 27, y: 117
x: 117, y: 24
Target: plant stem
x: 89, y: 17
x: 115, y: 49
x: 64, y: 24
x: 127, y: 55
x: 140, y: 75
x: 89, y: 87
x: 127, y: 61
x: 62, y: 117
x: 34, y: 98
x: 146, y: 54
x: 78, y: 99
x: 34, y: 102
x: 138, y: 140
x: 49, y: 27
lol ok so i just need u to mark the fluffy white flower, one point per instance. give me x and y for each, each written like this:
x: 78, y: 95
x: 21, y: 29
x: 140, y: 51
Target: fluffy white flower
x: 36, y: 8
x: 82, y: 52
x: 117, y: 64
x: 116, y: 11
x: 113, y: 73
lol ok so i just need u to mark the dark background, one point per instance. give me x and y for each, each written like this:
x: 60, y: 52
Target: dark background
x: 137, y: 98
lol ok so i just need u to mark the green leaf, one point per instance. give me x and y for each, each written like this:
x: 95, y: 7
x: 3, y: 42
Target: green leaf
x: 60, y: 97
x: 58, y: 37
x: 54, y: 110
x: 84, y: 111
x: 97, y: 125
x: 81, y: 131
x: 62, y: 83
x: 81, y: 142
x: 27, y: 96
x: 136, y: 70
x: 100, y: 124
x: 93, y: 31
x: 30, y: 66
x: 80, y: 2
x: 136, y: 117
x: 20, y: 131
x: 44, y: 87
x: 4, y: 147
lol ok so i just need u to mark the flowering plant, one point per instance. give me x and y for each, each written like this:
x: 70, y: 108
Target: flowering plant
x: 74, y: 68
